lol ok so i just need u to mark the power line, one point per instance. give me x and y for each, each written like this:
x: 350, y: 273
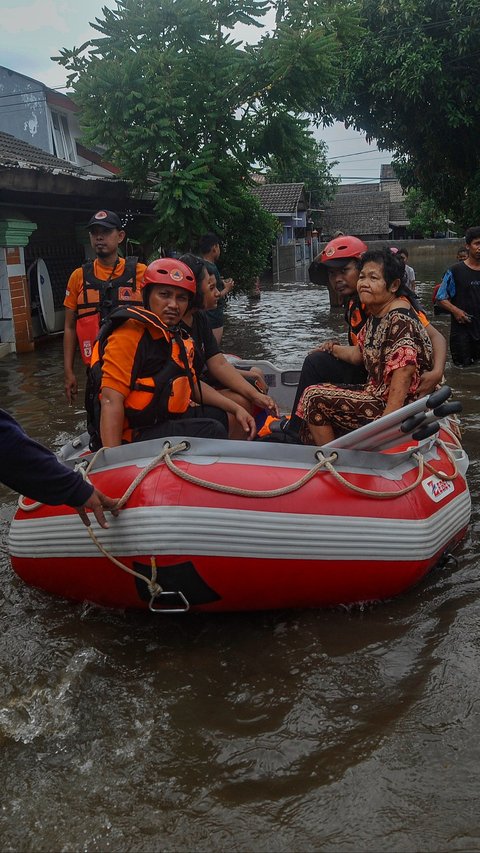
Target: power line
x: 354, y: 154
x: 362, y: 179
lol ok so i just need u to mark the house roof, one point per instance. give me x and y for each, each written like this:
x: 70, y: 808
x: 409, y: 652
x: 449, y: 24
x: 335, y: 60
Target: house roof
x: 389, y: 182
x: 398, y: 214
x: 358, y: 188
x: 387, y: 172
x: 358, y: 213
x: 28, y: 174
x: 54, y: 97
x: 15, y: 152
x: 280, y: 198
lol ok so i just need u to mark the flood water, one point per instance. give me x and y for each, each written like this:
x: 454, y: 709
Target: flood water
x: 340, y: 730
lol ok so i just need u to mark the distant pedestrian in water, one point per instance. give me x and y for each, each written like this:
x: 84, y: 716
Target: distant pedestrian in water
x: 462, y: 255
x: 209, y: 249
x: 459, y: 294
x: 256, y: 292
x: 409, y: 271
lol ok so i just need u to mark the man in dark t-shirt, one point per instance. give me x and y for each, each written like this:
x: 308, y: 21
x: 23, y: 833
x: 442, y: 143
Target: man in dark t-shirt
x: 459, y: 294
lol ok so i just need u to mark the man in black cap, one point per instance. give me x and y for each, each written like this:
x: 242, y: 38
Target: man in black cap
x: 95, y: 289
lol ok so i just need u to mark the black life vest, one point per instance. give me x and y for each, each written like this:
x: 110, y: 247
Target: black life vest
x: 98, y: 298
x: 162, y: 376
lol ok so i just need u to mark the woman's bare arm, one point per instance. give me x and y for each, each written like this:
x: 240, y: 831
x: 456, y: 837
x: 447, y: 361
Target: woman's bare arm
x: 399, y: 388
x: 352, y: 355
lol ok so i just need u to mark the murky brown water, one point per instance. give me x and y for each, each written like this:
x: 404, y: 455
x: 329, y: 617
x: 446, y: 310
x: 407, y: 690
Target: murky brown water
x: 305, y: 731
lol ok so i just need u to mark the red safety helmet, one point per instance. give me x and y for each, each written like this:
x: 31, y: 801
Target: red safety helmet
x: 172, y: 272
x: 336, y: 253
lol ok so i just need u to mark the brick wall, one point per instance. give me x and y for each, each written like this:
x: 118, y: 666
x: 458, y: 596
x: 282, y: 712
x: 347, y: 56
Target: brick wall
x: 20, y: 299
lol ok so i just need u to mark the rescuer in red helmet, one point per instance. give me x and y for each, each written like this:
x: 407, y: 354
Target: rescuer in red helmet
x: 337, y: 254
x: 142, y: 382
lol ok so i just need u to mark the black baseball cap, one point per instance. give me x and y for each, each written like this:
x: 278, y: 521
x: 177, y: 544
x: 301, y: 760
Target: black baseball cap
x: 106, y: 219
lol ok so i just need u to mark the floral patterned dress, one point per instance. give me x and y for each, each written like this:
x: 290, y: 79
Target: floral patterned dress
x: 387, y: 343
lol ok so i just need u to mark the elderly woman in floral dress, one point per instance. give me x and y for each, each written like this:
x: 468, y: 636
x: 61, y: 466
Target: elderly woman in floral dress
x: 393, y: 346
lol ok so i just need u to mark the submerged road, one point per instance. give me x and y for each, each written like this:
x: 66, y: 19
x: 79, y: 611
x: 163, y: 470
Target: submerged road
x: 339, y: 730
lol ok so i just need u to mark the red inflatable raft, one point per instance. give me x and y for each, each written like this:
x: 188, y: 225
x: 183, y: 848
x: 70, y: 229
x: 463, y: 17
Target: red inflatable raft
x: 215, y: 526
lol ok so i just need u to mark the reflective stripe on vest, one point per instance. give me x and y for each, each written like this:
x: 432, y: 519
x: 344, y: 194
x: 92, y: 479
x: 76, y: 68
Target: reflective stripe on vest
x: 154, y: 395
x: 98, y: 298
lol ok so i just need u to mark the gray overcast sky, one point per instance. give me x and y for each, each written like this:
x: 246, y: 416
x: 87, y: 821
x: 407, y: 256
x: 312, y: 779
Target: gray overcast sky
x: 34, y: 30
x: 358, y: 162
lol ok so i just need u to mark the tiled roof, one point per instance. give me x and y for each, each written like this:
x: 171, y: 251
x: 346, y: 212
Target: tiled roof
x: 398, y: 214
x: 390, y: 183
x: 15, y: 152
x: 361, y: 213
x: 358, y: 188
x: 280, y: 198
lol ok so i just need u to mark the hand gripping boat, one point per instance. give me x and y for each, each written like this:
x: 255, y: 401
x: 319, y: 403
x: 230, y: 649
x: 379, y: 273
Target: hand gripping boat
x: 224, y: 525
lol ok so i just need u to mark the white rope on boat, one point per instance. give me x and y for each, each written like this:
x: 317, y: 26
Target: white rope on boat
x: 422, y: 464
x: 154, y: 588
x: 236, y: 490
x: 441, y: 474
x: 324, y: 462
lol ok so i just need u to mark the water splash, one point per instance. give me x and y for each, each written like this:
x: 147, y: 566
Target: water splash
x: 47, y: 711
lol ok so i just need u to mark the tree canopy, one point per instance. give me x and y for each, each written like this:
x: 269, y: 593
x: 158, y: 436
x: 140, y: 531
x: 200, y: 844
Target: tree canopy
x: 411, y: 82
x: 187, y: 110
x: 426, y: 218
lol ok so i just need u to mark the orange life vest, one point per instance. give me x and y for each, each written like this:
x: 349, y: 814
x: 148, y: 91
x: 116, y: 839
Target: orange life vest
x: 355, y: 317
x: 98, y: 298
x: 162, y: 378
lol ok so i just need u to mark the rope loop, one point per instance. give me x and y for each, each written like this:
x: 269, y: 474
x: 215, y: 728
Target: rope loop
x: 372, y: 493
x: 422, y: 465
x: 441, y: 474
